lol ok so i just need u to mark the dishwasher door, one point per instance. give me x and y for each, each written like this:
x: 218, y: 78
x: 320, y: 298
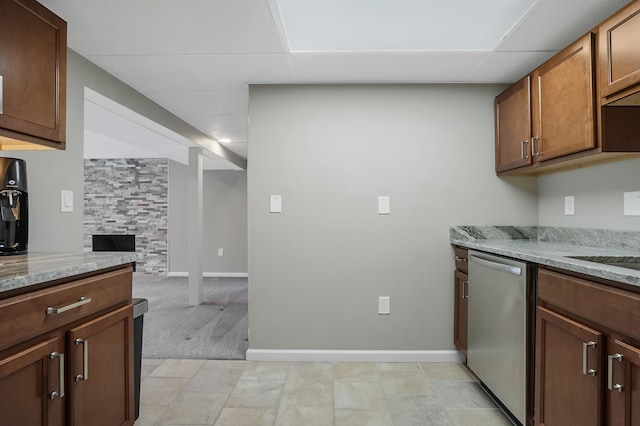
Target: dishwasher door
x: 497, y: 334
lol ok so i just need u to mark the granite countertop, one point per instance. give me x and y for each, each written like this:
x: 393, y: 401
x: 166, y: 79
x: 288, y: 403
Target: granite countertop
x: 552, y: 246
x: 21, y: 271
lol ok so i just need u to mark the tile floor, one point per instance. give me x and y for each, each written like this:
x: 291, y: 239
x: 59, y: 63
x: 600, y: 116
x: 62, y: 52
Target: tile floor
x: 225, y: 393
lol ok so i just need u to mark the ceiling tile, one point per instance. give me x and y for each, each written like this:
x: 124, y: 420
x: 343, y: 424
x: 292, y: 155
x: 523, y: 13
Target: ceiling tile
x: 204, y: 103
x: 234, y: 127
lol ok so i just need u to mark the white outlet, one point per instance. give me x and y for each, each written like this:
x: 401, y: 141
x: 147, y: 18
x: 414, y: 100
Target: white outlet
x: 384, y: 205
x: 220, y: 252
x: 569, y: 205
x: 632, y: 203
x: 384, y: 305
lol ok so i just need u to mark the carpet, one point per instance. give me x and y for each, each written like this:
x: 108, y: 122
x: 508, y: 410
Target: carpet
x: 216, y: 329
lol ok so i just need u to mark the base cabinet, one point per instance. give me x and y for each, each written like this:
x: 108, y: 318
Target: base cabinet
x: 461, y: 305
x: 587, y: 353
x: 78, y: 370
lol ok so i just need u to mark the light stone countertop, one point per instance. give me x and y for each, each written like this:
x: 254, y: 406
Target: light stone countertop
x: 555, y: 253
x: 24, y: 270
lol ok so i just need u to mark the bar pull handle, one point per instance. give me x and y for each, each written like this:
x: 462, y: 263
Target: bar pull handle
x: 535, y: 146
x: 460, y: 259
x: 523, y: 150
x: 465, y: 289
x: 610, y: 385
x: 82, y: 301
x: 59, y: 393
x: 585, y: 370
x: 1, y: 95
x: 85, y: 360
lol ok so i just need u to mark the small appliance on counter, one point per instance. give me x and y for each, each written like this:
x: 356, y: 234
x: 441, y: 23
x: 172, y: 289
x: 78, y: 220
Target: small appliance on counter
x: 14, y: 206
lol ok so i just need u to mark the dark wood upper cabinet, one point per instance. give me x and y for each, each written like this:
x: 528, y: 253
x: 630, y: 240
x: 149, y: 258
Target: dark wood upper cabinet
x: 513, y: 126
x: 619, y: 55
x: 33, y: 70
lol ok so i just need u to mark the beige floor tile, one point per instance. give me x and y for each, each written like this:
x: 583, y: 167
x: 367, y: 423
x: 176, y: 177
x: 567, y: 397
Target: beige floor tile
x: 150, y: 415
x: 405, y: 383
x: 275, y: 371
x: 219, y: 380
x: 478, y: 417
x: 161, y: 391
x: 359, y: 396
x: 147, y: 366
x: 461, y: 394
x: 199, y: 408
x: 445, y: 371
x: 255, y: 394
x: 305, y: 416
x: 363, y: 418
x: 398, y: 366
x: 355, y: 371
x: 310, y: 372
x: 246, y: 417
x: 317, y: 396
x: 178, y: 368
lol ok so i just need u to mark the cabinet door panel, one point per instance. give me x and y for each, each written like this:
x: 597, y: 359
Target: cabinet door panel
x: 27, y: 378
x: 104, y: 394
x: 564, y: 118
x: 461, y: 308
x: 623, y: 403
x: 513, y: 126
x: 564, y: 395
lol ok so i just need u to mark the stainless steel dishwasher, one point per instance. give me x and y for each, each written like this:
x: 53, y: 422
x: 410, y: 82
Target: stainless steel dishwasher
x: 497, y: 333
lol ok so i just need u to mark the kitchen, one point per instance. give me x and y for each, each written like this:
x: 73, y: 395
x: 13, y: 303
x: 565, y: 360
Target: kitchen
x: 428, y: 147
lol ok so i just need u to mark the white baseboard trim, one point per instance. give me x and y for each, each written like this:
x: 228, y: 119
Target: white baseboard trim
x: 212, y: 274
x: 294, y: 355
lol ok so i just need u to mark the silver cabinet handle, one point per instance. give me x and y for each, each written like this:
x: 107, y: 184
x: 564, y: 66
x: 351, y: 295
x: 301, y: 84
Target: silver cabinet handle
x: 523, y: 150
x: 1, y: 95
x: 85, y: 360
x: 460, y: 259
x: 465, y: 289
x: 535, y: 148
x: 82, y: 301
x: 59, y: 393
x: 585, y: 370
x: 610, y: 385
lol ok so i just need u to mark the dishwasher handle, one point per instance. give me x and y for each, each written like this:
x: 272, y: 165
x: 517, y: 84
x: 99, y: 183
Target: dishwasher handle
x: 496, y: 265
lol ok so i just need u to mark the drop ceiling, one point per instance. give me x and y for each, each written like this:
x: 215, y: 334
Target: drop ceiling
x: 197, y: 58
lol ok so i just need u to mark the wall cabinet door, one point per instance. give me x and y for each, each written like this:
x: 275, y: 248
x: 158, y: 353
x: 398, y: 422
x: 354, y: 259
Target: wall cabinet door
x: 619, y: 56
x: 33, y: 57
x: 623, y: 384
x: 513, y: 126
x: 461, y: 308
x: 564, y: 96
x: 101, y: 359
x: 569, y: 371
x: 32, y: 386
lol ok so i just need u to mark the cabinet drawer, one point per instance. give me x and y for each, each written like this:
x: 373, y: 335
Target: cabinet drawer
x: 461, y: 256
x: 27, y: 316
x: 616, y: 309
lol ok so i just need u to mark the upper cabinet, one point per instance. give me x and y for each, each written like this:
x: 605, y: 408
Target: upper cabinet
x: 33, y: 72
x: 584, y: 103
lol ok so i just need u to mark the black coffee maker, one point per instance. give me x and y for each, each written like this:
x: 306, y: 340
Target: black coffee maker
x: 14, y: 206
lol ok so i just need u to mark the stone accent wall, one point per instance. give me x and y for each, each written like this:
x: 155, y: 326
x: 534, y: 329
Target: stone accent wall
x: 129, y: 196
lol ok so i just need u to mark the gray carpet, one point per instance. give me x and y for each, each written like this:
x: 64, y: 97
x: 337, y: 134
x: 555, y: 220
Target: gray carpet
x: 217, y: 329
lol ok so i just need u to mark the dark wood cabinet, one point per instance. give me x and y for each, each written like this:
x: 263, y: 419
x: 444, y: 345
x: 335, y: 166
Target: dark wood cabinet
x: 460, y: 305
x: 513, y: 126
x: 587, y: 358
x: 66, y: 353
x: 33, y: 63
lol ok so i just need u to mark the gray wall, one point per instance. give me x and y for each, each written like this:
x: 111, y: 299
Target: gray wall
x: 598, y: 192
x: 316, y: 270
x: 225, y: 221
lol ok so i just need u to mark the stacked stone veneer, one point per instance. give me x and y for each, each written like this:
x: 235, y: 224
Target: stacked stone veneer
x: 129, y: 196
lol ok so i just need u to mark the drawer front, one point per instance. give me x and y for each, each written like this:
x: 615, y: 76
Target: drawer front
x: 29, y: 315
x: 461, y: 257
x: 613, y: 308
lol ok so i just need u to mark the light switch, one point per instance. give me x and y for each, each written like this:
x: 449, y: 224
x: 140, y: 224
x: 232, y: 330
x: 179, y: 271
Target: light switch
x: 632, y: 203
x: 384, y: 205
x: 66, y: 201
x: 384, y: 305
x: 275, y: 204
x: 569, y: 205
x: 220, y: 252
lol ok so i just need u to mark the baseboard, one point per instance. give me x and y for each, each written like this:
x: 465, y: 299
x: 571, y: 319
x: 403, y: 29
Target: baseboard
x: 352, y: 356
x: 211, y: 274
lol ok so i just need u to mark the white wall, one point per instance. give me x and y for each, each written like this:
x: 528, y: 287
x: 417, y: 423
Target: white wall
x: 225, y: 220
x: 316, y: 270
x: 598, y: 192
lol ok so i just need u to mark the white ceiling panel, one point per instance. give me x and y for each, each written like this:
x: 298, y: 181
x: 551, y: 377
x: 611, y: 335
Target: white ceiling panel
x: 233, y: 127
x: 204, y: 103
x: 552, y: 25
x: 190, y: 73
x: 386, y: 67
x: 398, y: 25
x: 499, y: 66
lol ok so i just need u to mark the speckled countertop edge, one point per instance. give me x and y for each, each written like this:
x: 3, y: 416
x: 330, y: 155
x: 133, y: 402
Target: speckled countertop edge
x: 39, y: 267
x: 555, y: 254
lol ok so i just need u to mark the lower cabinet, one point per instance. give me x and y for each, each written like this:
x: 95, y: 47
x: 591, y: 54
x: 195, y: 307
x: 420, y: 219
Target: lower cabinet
x: 587, y: 368
x: 460, y: 304
x: 79, y: 369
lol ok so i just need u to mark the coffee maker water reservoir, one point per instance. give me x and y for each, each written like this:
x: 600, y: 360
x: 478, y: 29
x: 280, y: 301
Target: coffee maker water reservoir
x: 14, y: 206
